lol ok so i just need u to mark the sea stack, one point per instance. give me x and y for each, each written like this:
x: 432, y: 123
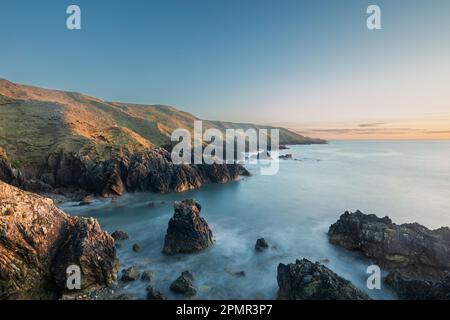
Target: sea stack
x: 187, y: 231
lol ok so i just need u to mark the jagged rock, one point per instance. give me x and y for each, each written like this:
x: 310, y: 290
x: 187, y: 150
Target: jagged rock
x: 418, y: 289
x: 147, y: 276
x: 410, y: 248
x: 136, y: 247
x: 261, y: 244
x: 119, y: 235
x: 304, y: 280
x: 154, y: 294
x: 38, y: 242
x: 184, y: 284
x: 131, y: 274
x: 187, y: 231
x: 286, y: 156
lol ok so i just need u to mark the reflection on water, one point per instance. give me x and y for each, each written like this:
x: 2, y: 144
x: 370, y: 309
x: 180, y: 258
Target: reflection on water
x: 409, y: 181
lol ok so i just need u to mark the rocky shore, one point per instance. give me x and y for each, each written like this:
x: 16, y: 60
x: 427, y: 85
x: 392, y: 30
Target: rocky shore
x: 417, y: 258
x: 77, y: 176
x: 38, y: 242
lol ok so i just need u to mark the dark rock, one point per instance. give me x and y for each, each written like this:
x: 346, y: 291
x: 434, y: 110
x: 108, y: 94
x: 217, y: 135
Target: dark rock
x: 305, y: 280
x: 410, y: 248
x: 87, y: 200
x: 261, y: 244
x: 147, y: 276
x: 286, y: 156
x: 418, y: 289
x: 184, y: 284
x: 119, y: 235
x: 282, y: 147
x: 136, y: 248
x: 154, y: 294
x: 187, y: 231
x: 38, y: 242
x: 131, y: 274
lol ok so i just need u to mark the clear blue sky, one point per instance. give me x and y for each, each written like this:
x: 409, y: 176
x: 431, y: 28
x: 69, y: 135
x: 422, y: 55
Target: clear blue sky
x: 246, y: 60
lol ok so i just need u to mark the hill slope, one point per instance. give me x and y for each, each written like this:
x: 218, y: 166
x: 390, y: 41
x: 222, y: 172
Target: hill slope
x: 36, y: 122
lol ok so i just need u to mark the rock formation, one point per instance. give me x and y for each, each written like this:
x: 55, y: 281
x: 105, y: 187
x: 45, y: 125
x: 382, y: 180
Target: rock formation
x: 119, y: 235
x: 304, y: 280
x: 38, y: 242
x: 187, y: 231
x: 410, y: 248
x: 154, y: 294
x: 184, y: 284
x: 131, y: 274
x: 418, y: 258
x: 261, y: 245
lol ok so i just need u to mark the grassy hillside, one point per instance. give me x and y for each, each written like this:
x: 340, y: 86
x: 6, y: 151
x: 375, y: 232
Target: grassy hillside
x: 36, y: 122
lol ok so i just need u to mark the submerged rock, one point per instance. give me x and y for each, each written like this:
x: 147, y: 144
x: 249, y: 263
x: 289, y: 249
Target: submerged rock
x: 87, y: 200
x: 286, y: 156
x: 154, y: 294
x: 410, y: 248
x: 147, y: 276
x: 187, y: 231
x: 131, y: 274
x: 38, y: 242
x: 184, y: 284
x: 136, y: 248
x: 261, y: 244
x: 119, y: 235
x: 304, y: 280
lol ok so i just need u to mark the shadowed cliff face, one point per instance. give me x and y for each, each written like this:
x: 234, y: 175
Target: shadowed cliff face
x: 38, y: 242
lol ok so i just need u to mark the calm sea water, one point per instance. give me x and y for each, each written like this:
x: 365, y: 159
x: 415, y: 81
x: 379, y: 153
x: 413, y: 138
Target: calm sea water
x: 408, y: 181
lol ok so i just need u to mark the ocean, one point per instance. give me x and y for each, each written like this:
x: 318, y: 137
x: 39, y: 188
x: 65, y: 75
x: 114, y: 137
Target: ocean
x: 409, y: 181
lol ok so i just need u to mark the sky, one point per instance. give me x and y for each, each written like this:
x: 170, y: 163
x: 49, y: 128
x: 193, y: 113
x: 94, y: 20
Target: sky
x: 311, y: 65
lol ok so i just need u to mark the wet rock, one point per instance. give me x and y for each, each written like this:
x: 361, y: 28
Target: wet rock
x: 410, y: 288
x: 187, y: 231
x: 304, y: 280
x: 136, y: 247
x: 261, y: 245
x: 87, y: 200
x: 131, y: 274
x: 154, y: 294
x: 119, y: 235
x: 184, y: 284
x: 38, y: 242
x: 413, y: 249
x: 147, y: 276
x: 286, y: 156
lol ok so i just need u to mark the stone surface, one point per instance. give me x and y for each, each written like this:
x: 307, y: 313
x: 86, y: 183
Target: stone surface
x: 261, y: 244
x: 410, y: 248
x: 147, y: 276
x: 154, y: 294
x: 119, y: 235
x: 38, y: 242
x: 184, y: 284
x: 131, y: 274
x: 187, y: 231
x: 304, y: 280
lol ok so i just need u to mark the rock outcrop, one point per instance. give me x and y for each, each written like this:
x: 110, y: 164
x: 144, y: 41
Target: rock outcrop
x: 410, y: 248
x: 261, y: 244
x: 305, y: 280
x: 418, y: 258
x: 38, y: 242
x: 187, y: 231
x: 151, y: 171
x: 131, y: 274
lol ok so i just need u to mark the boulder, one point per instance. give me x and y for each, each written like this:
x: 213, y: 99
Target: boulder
x: 187, y: 231
x: 147, y: 276
x: 305, y: 280
x: 38, y: 242
x: 261, y: 244
x: 413, y: 249
x: 184, y: 284
x: 286, y: 156
x: 87, y: 200
x: 154, y: 294
x: 136, y: 248
x: 119, y: 235
x: 131, y: 274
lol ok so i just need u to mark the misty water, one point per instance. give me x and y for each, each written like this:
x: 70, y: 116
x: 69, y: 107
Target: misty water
x: 408, y: 181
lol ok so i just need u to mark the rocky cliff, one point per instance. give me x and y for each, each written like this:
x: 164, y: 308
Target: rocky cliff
x: 38, y: 242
